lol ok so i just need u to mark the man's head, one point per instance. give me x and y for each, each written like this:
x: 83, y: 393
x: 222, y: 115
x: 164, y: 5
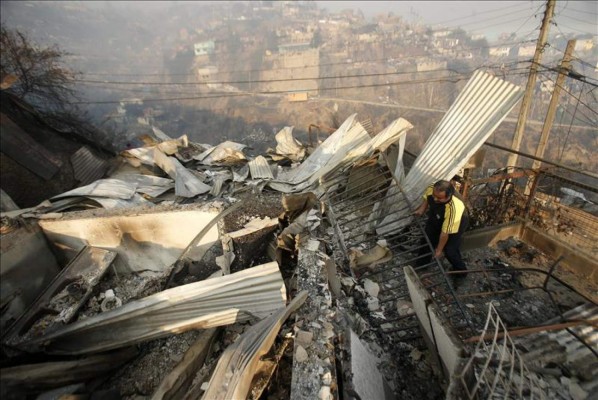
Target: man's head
x: 443, y: 190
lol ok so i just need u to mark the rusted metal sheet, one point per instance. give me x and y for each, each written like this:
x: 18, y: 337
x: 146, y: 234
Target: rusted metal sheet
x: 478, y: 110
x: 87, y: 166
x: 23, y: 149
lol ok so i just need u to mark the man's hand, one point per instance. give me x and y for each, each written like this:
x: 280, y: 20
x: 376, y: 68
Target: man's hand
x: 438, y: 253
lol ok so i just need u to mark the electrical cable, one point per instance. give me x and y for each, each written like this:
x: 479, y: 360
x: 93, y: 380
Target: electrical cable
x: 266, y: 80
x: 583, y: 12
x: 569, y: 131
x: 577, y: 98
x: 575, y: 29
x: 471, y: 16
x: 446, y: 79
x: 593, y: 23
x: 285, y: 68
x: 511, y: 12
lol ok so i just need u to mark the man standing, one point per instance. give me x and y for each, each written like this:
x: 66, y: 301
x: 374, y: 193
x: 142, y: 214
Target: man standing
x: 447, y: 220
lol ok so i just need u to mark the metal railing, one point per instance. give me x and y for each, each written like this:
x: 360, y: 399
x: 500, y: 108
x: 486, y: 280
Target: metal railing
x: 559, y: 206
x: 366, y: 199
x: 497, y: 368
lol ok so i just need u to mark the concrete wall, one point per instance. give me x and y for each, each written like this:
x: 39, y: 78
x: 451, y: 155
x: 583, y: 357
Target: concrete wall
x: 27, y: 266
x: 149, y: 241
x: 574, y: 258
x: 489, y: 236
x: 439, y: 334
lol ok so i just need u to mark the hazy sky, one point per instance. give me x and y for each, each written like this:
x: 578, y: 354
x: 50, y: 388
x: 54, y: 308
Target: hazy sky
x: 489, y: 17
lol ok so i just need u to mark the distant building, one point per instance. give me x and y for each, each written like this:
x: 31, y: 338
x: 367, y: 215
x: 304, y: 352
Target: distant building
x: 430, y: 65
x: 584, y: 44
x: 204, y: 48
x: 444, y: 33
x: 297, y: 96
x: 526, y: 51
x: 207, y: 73
x: 500, y: 51
x: 293, y: 47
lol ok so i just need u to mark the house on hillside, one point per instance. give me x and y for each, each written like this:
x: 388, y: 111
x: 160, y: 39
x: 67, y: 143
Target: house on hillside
x: 204, y: 48
x: 499, y: 51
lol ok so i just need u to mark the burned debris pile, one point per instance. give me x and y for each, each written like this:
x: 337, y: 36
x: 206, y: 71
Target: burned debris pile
x: 195, y: 271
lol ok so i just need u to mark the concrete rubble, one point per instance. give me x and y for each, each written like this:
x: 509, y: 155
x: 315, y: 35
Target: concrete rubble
x: 197, y: 271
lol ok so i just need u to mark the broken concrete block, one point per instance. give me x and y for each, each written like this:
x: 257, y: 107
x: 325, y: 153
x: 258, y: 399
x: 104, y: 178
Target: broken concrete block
x: 363, y: 376
x: 372, y: 288
x: 577, y: 392
x: 348, y: 282
x: 373, y: 303
x: 304, y: 338
x: 327, y: 378
x: 324, y: 393
x: 404, y: 307
x: 301, y: 354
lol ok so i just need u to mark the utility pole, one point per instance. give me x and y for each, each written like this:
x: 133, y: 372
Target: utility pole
x: 554, y: 100
x: 531, y: 82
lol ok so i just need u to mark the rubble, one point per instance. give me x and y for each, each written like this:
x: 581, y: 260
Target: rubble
x: 206, y: 243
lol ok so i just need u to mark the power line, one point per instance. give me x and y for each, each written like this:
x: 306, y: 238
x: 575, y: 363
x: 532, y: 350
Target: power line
x: 454, y: 80
x: 267, y: 80
x: 582, y: 12
x: 287, y: 68
x: 446, y: 80
x: 470, y: 16
x: 593, y: 23
x: 571, y: 74
x: 575, y: 29
x: 487, y: 19
x: 578, y: 99
x: 225, y: 94
x: 585, y: 119
x: 497, y: 24
x: 521, y: 26
x: 255, y: 81
x: 570, y: 125
x: 575, y: 58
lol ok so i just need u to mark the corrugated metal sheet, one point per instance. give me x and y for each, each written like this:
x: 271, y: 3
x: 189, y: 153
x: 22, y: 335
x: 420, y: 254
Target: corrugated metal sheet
x: 348, y: 144
x: 110, y: 188
x: 260, y: 169
x: 478, y: 110
x: 288, y: 146
x: 23, y: 149
x: 368, y: 126
x: 87, y: 166
x: 252, y: 293
x: 562, y: 348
